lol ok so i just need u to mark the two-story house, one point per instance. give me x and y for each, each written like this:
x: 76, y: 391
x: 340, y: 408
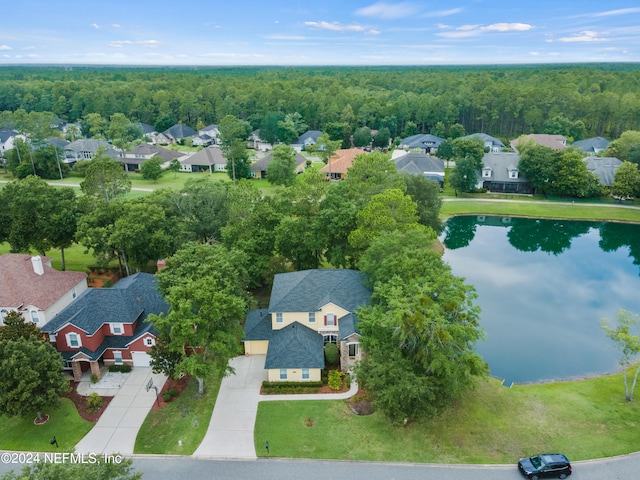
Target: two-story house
x: 107, y: 326
x: 500, y: 173
x: 29, y: 285
x: 307, y: 310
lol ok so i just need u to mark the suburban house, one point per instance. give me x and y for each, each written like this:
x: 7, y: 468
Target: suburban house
x: 175, y: 133
x: 203, y: 140
x: 424, y: 142
x: 212, y: 131
x: 29, y: 285
x: 307, y: 310
x: 86, y: 149
x: 592, y: 145
x: 500, y: 174
x: 418, y: 163
x: 257, y: 143
x: 555, y: 142
x: 604, y: 168
x: 209, y: 159
x: 107, y: 326
x: 336, y: 168
x: 492, y: 143
x: 7, y: 138
x: 139, y: 154
x: 308, y: 138
x: 259, y: 168
x: 147, y: 130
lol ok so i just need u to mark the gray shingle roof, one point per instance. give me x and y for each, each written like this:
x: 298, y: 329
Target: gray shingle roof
x: 592, y: 145
x: 146, y: 128
x: 295, y: 346
x: 130, y: 299
x: 6, y: 134
x: 180, y: 130
x: 604, y: 167
x: 263, y: 163
x: 310, y: 290
x: 418, y: 163
x: 348, y: 325
x: 309, y: 134
x: 500, y: 163
x: 258, y: 325
x: 422, y: 140
x: 485, y: 138
x: 211, y: 155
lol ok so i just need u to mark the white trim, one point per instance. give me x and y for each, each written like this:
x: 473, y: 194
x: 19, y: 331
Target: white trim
x: 116, y: 360
x: 112, y: 327
x: 76, y: 335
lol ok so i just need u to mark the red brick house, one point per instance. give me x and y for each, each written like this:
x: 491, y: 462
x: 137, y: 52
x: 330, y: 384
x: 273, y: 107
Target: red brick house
x: 107, y: 326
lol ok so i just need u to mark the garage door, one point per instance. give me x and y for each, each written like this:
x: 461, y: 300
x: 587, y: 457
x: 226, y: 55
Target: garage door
x: 141, y: 359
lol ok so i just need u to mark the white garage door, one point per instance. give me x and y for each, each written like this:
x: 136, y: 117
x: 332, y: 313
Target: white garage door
x: 140, y: 359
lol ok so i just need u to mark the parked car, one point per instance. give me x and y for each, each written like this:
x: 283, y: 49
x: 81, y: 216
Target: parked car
x: 545, y: 465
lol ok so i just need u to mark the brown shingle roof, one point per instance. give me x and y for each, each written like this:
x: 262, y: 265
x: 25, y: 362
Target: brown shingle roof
x: 556, y: 142
x: 20, y: 285
x: 342, y: 160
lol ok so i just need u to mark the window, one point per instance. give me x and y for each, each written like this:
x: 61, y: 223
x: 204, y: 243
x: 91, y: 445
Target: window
x: 330, y: 319
x: 283, y: 374
x: 513, y: 173
x: 117, y: 328
x: 330, y: 339
x: 3, y: 315
x: 312, y: 317
x: 52, y: 337
x: 149, y: 342
x: 486, y: 172
x: 74, y: 294
x: 73, y: 340
x: 305, y: 374
x: 279, y: 317
x: 34, y: 316
x: 353, y: 349
x: 117, y: 357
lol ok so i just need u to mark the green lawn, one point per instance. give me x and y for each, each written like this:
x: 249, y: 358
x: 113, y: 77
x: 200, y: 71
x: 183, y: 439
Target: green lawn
x: 547, y: 210
x: 493, y: 424
x: 163, y: 428
x: 19, y: 433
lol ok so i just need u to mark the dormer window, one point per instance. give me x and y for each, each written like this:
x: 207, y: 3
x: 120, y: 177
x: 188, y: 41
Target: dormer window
x: 513, y: 173
x: 117, y: 329
x: 486, y: 173
x: 35, y: 318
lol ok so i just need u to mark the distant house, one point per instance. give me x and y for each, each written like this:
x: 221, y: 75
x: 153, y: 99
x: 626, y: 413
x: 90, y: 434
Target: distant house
x: 336, y: 168
x: 59, y: 143
x: 86, y: 149
x: 7, y: 139
x: 424, y: 142
x: 175, y: 133
x: 208, y: 159
x: 259, y: 168
x: 492, y: 143
x: 29, y: 285
x: 555, y: 142
x: 139, y: 154
x: 305, y: 140
x: 500, y: 174
x: 592, y: 145
x: 203, y: 140
x: 257, y: 143
x: 307, y: 310
x: 147, y: 130
x: 107, y: 326
x: 418, y: 163
x: 212, y: 131
x: 604, y: 168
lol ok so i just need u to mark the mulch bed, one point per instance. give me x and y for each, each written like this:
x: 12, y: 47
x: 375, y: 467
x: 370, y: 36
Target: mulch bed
x: 180, y: 385
x: 80, y: 402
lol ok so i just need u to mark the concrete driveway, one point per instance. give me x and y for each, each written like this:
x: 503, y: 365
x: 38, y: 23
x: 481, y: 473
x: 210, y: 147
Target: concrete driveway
x: 230, y: 432
x: 118, y: 426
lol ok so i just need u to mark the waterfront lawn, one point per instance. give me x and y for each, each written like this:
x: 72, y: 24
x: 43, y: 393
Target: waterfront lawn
x: 20, y: 433
x: 493, y: 424
x: 580, y: 211
x: 164, y: 427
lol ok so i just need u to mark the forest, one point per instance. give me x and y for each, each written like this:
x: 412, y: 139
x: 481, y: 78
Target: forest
x: 504, y: 101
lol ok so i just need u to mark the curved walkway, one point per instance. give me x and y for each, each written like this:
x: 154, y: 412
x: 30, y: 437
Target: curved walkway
x: 230, y: 432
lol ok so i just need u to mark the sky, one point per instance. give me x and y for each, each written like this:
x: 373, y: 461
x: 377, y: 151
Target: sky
x: 322, y: 32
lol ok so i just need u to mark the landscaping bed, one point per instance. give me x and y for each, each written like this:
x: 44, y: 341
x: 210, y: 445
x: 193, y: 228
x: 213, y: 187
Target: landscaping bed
x: 80, y: 402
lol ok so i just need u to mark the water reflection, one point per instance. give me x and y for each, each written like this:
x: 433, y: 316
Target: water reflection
x: 543, y: 287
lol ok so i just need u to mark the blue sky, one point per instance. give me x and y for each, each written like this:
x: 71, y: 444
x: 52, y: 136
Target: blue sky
x: 325, y: 32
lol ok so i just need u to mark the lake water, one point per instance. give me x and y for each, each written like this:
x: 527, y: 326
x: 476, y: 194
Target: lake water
x: 544, y: 286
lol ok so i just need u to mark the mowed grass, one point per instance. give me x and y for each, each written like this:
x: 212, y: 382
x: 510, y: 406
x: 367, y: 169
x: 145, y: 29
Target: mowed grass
x: 20, y: 433
x: 165, y: 427
x: 547, y: 210
x: 75, y: 257
x: 492, y: 424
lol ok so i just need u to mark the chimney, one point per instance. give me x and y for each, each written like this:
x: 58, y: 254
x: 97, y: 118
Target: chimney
x: 37, y: 265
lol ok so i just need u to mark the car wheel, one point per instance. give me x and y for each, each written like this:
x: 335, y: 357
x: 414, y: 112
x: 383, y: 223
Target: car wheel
x: 534, y: 477
x: 563, y: 476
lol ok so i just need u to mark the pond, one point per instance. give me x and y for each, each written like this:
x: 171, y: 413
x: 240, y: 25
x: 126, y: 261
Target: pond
x: 544, y: 286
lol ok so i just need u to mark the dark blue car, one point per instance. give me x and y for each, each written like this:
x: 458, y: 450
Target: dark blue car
x: 545, y: 465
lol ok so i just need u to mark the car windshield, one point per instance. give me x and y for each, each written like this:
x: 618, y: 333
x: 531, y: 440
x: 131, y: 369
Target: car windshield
x: 536, y: 461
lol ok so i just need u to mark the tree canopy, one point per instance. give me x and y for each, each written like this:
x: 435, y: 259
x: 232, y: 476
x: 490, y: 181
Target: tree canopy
x: 106, y: 179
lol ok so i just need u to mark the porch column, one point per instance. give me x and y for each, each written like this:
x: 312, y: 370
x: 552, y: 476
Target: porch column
x: 95, y: 369
x: 77, y: 371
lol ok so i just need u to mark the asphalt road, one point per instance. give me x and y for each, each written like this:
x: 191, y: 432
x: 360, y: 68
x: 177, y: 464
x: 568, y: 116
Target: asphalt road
x: 168, y: 467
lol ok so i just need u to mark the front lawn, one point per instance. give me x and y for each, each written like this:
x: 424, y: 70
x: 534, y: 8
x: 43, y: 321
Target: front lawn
x: 493, y: 424
x: 164, y: 427
x: 20, y: 433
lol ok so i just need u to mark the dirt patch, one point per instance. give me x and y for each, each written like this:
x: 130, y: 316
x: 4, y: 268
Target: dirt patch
x: 179, y: 385
x: 99, y: 278
x: 360, y: 403
x: 80, y: 401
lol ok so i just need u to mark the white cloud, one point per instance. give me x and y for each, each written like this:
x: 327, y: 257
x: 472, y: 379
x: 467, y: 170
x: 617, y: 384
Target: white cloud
x: 95, y: 25
x: 443, y: 13
x: 473, y: 30
x: 388, y: 11
x: 5, y: 47
x: 535, y: 54
x: 586, y: 36
x: 144, y: 43
x: 373, y: 32
x: 284, y: 37
x: 116, y: 25
x: 335, y: 26
x: 621, y: 11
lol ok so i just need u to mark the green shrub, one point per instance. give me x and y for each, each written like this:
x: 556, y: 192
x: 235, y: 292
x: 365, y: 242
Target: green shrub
x: 94, y: 403
x: 120, y: 368
x: 347, y: 380
x: 173, y: 392
x: 94, y: 378
x: 335, y: 379
x: 331, y: 353
x: 290, y: 387
x: 80, y: 168
x: 166, y: 396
